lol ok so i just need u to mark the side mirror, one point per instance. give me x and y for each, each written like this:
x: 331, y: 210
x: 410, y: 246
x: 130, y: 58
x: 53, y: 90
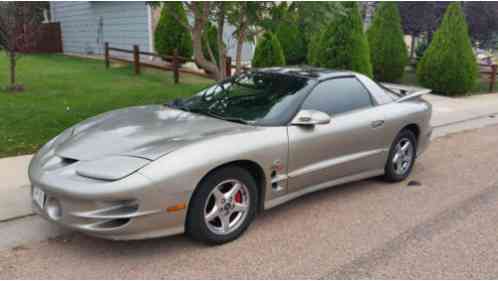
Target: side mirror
x: 310, y: 118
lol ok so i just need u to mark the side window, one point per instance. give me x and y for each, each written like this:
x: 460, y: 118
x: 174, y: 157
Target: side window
x: 337, y: 96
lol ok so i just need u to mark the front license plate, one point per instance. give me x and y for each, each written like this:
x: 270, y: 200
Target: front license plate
x: 39, y: 197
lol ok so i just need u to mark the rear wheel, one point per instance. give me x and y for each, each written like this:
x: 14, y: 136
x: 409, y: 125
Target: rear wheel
x: 401, y: 157
x: 223, y: 206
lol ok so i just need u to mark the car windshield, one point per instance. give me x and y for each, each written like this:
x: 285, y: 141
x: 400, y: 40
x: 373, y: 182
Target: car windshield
x: 246, y: 98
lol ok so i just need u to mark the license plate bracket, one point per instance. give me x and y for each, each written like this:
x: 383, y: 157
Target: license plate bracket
x: 39, y: 197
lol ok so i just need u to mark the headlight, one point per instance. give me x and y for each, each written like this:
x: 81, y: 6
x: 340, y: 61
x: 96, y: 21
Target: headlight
x: 110, y: 168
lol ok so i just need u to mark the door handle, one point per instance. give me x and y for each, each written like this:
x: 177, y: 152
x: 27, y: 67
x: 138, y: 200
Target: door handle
x: 377, y: 123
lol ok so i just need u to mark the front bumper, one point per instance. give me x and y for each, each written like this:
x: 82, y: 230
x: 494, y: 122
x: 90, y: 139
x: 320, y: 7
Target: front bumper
x: 131, y: 208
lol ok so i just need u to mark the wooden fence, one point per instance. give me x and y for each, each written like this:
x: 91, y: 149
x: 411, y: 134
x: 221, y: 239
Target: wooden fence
x: 490, y: 70
x: 42, y: 38
x: 175, y: 61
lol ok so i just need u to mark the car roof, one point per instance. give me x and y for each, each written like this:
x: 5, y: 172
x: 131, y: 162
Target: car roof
x: 309, y: 72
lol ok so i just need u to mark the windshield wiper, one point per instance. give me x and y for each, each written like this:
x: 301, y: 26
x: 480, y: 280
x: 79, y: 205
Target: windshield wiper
x: 178, y: 104
x: 236, y: 120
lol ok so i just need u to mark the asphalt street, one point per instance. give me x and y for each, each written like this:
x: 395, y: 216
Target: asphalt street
x: 440, y: 223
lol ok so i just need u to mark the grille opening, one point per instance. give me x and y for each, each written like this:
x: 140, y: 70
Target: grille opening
x: 114, y: 223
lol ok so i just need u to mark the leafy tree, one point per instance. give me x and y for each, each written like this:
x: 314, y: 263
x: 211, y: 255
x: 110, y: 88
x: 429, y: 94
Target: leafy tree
x: 292, y: 40
x: 277, y: 13
x: 449, y: 66
x: 210, y: 37
x: 247, y: 18
x: 201, y: 14
x: 313, y: 15
x: 268, y: 52
x: 343, y: 45
x: 387, y: 47
x: 169, y: 35
x: 296, y: 23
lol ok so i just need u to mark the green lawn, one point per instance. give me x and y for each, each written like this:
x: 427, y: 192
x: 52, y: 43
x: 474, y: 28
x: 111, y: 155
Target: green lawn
x: 61, y: 91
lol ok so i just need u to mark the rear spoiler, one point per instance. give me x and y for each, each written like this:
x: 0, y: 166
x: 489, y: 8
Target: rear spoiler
x: 404, y: 92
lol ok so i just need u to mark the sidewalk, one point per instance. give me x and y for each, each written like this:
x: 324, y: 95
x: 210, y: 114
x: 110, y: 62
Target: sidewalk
x: 14, y: 186
x: 451, y: 110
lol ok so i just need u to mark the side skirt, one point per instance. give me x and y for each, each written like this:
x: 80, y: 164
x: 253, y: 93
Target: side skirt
x: 282, y: 199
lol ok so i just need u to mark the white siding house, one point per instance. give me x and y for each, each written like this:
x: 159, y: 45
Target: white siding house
x: 86, y: 25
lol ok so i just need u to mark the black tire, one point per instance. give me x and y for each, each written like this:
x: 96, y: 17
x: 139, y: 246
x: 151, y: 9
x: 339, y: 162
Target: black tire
x: 196, y: 226
x: 391, y: 175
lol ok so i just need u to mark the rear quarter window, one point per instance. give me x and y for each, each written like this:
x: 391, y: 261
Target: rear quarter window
x: 380, y: 95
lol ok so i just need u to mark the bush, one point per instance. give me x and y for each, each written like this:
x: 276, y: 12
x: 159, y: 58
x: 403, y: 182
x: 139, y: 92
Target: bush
x: 268, y: 52
x: 449, y: 66
x: 343, y: 45
x: 292, y: 41
x: 388, y: 50
x: 170, y: 35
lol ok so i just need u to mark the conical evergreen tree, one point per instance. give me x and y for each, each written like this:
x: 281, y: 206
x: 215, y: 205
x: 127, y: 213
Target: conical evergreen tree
x: 313, y: 48
x: 292, y: 40
x: 343, y: 45
x: 268, y: 52
x: 388, y: 50
x: 449, y: 66
x: 169, y: 34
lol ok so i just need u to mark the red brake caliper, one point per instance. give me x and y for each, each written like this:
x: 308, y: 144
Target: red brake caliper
x: 238, y: 197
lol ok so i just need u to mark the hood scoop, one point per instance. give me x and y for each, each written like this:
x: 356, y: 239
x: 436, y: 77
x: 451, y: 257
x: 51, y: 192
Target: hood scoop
x: 56, y: 162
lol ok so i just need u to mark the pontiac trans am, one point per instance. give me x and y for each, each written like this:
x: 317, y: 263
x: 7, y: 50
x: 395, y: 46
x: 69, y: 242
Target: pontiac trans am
x: 205, y: 165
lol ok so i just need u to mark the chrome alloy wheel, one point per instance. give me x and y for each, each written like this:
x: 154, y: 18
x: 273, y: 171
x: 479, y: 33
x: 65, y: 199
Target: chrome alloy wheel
x: 227, y: 207
x: 403, y: 156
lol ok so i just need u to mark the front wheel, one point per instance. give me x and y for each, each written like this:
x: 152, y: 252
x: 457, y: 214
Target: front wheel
x: 401, y: 157
x: 223, y: 206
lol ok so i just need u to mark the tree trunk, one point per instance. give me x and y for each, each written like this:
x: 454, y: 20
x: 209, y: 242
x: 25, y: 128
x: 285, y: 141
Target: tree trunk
x: 201, y: 16
x: 241, y: 36
x: 221, y: 45
x: 240, y: 44
x: 12, y: 56
x: 412, y: 47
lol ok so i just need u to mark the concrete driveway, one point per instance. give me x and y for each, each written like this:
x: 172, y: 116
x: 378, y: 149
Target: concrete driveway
x: 441, y: 223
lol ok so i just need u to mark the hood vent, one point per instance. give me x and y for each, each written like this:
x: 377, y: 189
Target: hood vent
x: 57, y: 162
x: 68, y: 161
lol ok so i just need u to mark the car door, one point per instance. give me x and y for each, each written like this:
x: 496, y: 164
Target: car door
x: 350, y: 144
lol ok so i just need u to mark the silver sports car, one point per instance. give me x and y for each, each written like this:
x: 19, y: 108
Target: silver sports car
x: 207, y: 164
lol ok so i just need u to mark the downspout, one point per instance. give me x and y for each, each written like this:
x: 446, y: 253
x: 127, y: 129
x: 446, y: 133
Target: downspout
x: 149, y: 29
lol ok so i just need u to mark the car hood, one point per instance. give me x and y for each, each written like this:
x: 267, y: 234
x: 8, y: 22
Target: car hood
x: 145, y: 131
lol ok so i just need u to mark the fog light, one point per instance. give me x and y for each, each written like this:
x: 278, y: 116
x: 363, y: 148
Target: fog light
x: 53, y: 208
